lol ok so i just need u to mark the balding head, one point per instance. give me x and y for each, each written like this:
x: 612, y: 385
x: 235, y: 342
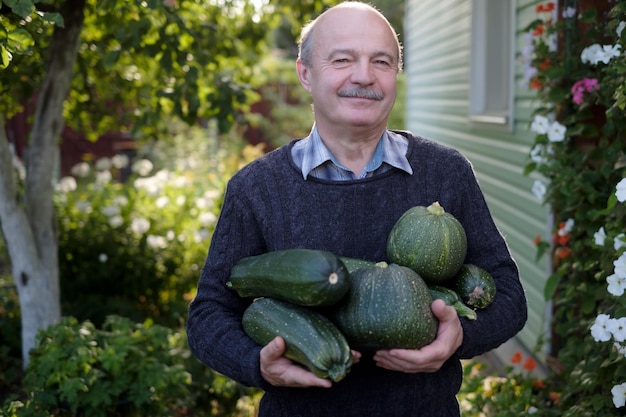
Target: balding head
x: 345, y: 10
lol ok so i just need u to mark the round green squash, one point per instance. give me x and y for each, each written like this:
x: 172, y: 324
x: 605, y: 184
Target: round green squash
x: 387, y: 306
x: 475, y: 286
x: 429, y: 241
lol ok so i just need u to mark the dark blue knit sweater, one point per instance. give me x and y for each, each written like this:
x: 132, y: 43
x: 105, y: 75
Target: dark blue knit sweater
x: 269, y: 206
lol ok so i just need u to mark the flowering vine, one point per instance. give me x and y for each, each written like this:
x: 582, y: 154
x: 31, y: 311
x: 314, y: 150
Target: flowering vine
x: 573, y: 58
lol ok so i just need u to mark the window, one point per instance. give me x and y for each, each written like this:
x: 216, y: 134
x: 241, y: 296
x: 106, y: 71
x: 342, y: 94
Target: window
x: 491, y: 66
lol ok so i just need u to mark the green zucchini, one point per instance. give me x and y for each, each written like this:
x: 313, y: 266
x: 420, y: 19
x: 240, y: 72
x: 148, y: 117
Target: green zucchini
x: 305, y: 277
x: 311, y: 339
x: 452, y: 299
x: 474, y: 285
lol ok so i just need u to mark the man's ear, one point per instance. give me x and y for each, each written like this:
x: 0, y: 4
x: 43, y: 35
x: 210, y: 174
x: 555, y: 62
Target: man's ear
x: 303, y: 75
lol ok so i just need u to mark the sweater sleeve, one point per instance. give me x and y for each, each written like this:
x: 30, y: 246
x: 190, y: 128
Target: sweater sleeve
x: 487, y: 249
x: 214, y: 331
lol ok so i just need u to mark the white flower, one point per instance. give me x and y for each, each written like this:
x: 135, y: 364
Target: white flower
x: 120, y: 161
x: 617, y: 285
x: 537, y: 152
x: 103, y: 177
x: 617, y: 327
x: 556, y: 132
x: 569, y: 12
x: 567, y: 227
x: 103, y: 164
x: 539, y: 189
x: 620, y: 349
x: 599, y: 330
x: 142, y: 167
x: 162, y: 201
x: 619, y: 241
x: 66, y: 185
x: 590, y: 54
x: 608, y: 52
x: 116, y: 221
x: 156, y: 242
x: 110, y: 210
x: 620, y: 266
x: 619, y: 395
x: 620, y: 28
x: 180, y: 200
x: 103, y: 257
x: 140, y: 225
x: 207, y: 218
x: 620, y: 190
x: 201, y: 235
x: 84, y: 206
x: 600, y: 236
x: 120, y: 200
x: 540, y: 124
x: 81, y: 170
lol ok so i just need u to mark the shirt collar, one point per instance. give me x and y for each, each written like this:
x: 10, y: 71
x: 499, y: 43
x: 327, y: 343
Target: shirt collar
x: 311, y: 152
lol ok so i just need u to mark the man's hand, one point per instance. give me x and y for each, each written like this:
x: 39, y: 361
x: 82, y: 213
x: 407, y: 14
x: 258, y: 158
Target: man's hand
x: 281, y: 372
x: 431, y: 357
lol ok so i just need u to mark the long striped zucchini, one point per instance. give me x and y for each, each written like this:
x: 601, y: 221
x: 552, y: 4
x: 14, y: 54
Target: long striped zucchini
x: 311, y: 339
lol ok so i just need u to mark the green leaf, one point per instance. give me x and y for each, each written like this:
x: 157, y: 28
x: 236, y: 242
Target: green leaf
x: 5, y: 57
x: 550, y: 287
x: 19, y: 41
x: 54, y: 17
x: 22, y: 8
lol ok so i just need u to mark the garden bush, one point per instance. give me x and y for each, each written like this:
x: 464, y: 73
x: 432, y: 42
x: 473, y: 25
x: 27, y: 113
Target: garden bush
x: 135, y: 248
x: 574, y: 59
x: 122, y: 369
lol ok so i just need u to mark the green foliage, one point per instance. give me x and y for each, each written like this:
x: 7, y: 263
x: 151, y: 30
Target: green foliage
x: 10, y: 337
x: 135, y: 248
x: 579, y: 153
x: 122, y: 369
x: 141, y: 63
x: 15, y: 38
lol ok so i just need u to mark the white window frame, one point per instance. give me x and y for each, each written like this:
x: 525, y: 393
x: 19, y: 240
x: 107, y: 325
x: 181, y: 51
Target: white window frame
x: 492, y: 62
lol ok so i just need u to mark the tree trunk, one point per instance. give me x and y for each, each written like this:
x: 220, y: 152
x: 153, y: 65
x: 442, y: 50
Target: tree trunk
x: 29, y: 226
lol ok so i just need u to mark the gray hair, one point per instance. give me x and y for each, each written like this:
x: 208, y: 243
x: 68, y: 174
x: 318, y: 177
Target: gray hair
x: 305, y: 44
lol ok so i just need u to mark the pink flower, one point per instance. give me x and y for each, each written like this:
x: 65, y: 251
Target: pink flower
x: 581, y: 86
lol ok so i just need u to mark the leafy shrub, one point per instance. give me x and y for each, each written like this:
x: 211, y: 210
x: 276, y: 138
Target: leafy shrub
x: 10, y: 339
x: 123, y: 369
x: 576, y: 62
x: 135, y: 248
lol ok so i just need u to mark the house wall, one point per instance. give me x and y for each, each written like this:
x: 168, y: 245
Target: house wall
x: 437, y: 69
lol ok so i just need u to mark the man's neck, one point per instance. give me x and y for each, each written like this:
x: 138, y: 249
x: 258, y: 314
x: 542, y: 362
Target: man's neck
x: 354, y: 150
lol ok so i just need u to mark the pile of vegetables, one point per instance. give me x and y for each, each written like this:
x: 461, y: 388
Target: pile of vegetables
x: 323, y: 304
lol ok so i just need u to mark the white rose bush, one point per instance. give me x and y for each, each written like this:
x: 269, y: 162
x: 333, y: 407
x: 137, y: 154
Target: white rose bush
x: 575, y: 59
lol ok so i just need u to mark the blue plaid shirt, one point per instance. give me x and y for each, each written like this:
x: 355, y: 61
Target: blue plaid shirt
x: 315, y: 159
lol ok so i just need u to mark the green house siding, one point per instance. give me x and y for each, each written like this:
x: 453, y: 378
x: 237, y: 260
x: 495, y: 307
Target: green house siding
x: 437, y: 70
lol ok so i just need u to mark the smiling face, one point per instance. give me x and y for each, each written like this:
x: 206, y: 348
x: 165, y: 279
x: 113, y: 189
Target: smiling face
x: 352, y: 70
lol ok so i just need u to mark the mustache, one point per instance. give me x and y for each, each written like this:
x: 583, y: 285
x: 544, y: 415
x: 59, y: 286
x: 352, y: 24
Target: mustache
x: 361, y: 93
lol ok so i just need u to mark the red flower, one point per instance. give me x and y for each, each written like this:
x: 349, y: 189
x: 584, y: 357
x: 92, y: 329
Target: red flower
x: 545, y: 8
x: 545, y: 64
x: 562, y: 252
x: 516, y: 358
x: 538, y: 30
x: 537, y: 240
x: 536, y: 84
x: 539, y: 384
x: 530, y: 364
x: 555, y: 397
